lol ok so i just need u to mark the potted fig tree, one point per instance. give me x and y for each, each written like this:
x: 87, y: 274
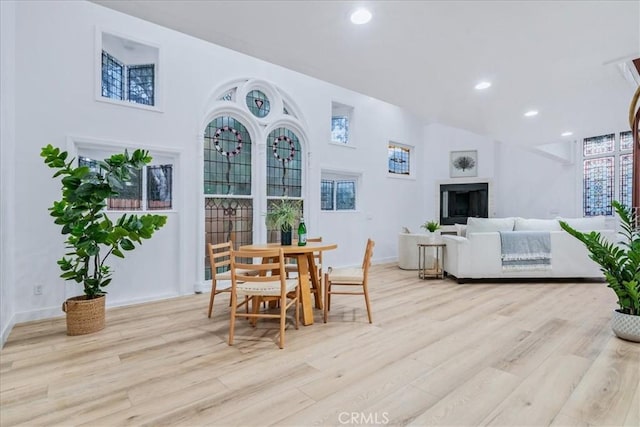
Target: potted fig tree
x: 91, y: 235
x: 620, y: 263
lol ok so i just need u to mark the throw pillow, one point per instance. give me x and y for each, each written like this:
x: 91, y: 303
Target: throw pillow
x: 587, y: 224
x: 485, y: 225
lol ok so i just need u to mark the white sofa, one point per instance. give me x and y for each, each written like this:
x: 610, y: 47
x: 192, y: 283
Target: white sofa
x: 477, y: 254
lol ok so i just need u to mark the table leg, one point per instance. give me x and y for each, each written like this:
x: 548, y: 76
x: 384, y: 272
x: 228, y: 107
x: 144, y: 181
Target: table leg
x: 315, y: 281
x: 305, y: 290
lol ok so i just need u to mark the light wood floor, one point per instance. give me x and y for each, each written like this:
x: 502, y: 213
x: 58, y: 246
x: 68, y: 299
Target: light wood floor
x: 438, y: 353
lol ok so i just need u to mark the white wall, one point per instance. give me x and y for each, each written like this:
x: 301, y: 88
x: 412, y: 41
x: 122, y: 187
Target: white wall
x: 54, y: 96
x: 7, y: 169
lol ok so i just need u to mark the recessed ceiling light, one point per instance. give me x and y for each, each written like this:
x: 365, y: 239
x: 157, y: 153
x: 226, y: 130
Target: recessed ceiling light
x: 567, y: 133
x: 483, y: 85
x: 531, y: 113
x: 361, y: 16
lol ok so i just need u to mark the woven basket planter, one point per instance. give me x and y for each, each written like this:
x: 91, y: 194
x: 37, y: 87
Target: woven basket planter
x: 84, y: 316
x: 626, y: 326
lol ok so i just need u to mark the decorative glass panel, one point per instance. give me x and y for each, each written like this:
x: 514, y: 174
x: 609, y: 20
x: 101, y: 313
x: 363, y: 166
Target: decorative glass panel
x: 626, y: 178
x: 159, y: 186
x: 345, y: 195
x: 258, y: 103
x: 326, y: 194
x: 399, y: 160
x: 599, y: 145
x: 227, y: 220
x: 229, y: 96
x: 112, y: 77
x: 273, y: 235
x: 227, y: 157
x: 626, y: 140
x: 598, y: 186
x: 284, y: 164
x: 141, y: 84
x: 340, y: 129
x: 129, y: 196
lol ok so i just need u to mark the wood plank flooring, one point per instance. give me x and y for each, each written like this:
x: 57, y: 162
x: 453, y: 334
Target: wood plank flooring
x: 438, y: 353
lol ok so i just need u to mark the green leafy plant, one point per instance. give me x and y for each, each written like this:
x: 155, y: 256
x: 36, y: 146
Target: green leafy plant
x: 283, y: 215
x: 620, y: 262
x: 91, y: 235
x: 431, y: 226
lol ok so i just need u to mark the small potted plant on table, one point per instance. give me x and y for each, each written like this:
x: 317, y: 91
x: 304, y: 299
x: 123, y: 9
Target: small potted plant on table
x: 283, y: 216
x: 432, y: 228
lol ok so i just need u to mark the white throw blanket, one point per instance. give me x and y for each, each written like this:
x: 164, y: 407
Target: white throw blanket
x: 526, y: 250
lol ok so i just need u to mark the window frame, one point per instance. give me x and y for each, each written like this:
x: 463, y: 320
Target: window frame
x: 616, y: 155
x: 336, y: 177
x: 412, y: 155
x: 98, y: 149
x: 340, y: 110
x: 158, y: 78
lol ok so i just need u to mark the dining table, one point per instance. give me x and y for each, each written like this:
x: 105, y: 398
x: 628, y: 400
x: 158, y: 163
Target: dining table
x: 307, y: 271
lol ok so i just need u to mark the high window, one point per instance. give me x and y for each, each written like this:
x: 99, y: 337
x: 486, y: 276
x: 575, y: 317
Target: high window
x: 399, y: 159
x: 607, y: 172
x: 340, y: 123
x: 129, y: 71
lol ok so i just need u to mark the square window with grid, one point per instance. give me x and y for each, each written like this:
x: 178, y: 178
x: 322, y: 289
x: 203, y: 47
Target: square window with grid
x: 338, y: 194
x: 399, y: 160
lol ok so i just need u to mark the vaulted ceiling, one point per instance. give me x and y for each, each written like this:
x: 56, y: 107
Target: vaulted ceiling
x: 565, y: 59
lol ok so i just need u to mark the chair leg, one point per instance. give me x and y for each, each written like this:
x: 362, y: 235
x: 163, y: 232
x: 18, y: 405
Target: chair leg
x: 283, y: 319
x: 327, y: 287
x: 297, y: 306
x: 232, y: 320
x: 366, y: 300
x: 211, y: 298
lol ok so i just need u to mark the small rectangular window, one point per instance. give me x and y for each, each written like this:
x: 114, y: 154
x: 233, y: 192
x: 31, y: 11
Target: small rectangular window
x: 338, y: 193
x: 159, y: 186
x: 140, y: 79
x: 112, y: 77
x: 626, y: 141
x: 340, y: 129
x: 598, y: 186
x: 598, y: 145
x: 399, y: 159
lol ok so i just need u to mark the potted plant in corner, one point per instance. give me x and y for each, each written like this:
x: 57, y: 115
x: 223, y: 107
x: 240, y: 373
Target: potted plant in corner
x: 620, y: 263
x: 91, y: 235
x: 283, y: 216
x: 431, y: 227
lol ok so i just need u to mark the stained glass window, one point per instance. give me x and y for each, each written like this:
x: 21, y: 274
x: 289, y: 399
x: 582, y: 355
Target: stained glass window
x: 327, y: 188
x: 626, y: 140
x: 399, y: 160
x: 340, y: 129
x: 345, y: 195
x: 598, y: 145
x: 140, y: 83
x: 227, y: 219
x: 258, y: 103
x: 112, y: 77
x: 229, y: 96
x: 227, y: 157
x: 159, y: 186
x: 626, y: 178
x: 598, y: 186
x: 284, y: 164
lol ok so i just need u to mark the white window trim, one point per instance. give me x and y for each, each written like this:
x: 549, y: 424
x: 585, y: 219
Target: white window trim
x: 412, y: 160
x: 342, y: 175
x: 77, y: 144
x: 157, y: 73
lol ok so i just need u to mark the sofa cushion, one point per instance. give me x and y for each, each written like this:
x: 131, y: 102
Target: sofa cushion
x: 484, y: 225
x: 461, y: 229
x: 587, y: 224
x: 527, y: 224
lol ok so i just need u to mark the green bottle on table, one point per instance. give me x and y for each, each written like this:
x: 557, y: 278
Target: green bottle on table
x: 302, y: 233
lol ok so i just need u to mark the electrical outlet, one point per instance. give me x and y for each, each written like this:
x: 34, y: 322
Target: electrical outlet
x: 37, y: 289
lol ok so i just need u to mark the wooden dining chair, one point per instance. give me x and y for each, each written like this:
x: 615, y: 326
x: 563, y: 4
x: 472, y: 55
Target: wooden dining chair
x: 342, y: 278
x: 220, y: 259
x: 271, y: 284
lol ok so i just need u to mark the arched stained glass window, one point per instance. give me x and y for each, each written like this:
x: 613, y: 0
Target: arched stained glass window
x: 227, y: 158
x: 284, y: 164
x: 258, y: 103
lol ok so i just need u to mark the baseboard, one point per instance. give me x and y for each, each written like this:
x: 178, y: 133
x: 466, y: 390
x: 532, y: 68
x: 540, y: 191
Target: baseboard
x: 7, y: 330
